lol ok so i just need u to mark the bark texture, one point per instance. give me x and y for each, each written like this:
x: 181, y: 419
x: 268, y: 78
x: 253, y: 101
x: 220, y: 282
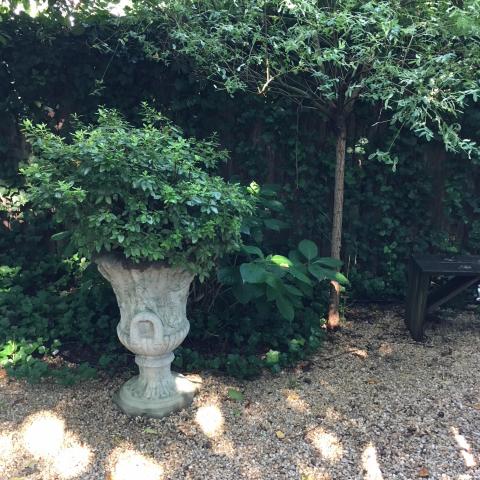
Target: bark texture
x: 333, y: 321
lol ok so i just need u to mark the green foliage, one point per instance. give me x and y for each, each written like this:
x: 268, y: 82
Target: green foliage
x: 262, y: 310
x: 141, y: 192
x: 412, y: 61
x: 235, y: 395
x: 44, y: 298
x: 275, y: 278
x: 247, y: 125
x: 24, y: 360
x: 388, y: 215
x: 43, y: 295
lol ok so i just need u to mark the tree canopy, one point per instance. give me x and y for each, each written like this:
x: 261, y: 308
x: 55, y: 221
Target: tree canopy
x: 416, y: 61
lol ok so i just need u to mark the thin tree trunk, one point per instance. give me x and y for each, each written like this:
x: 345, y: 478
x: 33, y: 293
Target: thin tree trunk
x: 333, y: 321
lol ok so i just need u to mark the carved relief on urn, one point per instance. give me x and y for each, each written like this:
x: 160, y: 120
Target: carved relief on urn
x: 152, y: 299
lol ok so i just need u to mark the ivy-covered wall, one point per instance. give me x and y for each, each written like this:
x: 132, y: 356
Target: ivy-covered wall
x: 430, y: 203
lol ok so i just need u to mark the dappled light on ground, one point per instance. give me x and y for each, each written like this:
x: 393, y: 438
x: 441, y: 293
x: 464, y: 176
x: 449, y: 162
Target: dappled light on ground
x: 45, y: 438
x: 251, y: 471
x: 296, y: 402
x: 223, y: 446
x: 210, y: 420
x: 43, y: 434
x: 314, y: 473
x: 72, y: 461
x: 386, y: 419
x: 371, y: 468
x: 7, y: 455
x: 465, y: 448
x: 128, y: 464
x: 332, y: 415
x: 6, y: 446
x: 327, y: 444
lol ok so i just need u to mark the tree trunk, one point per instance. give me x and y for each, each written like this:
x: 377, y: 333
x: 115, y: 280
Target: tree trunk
x: 333, y: 321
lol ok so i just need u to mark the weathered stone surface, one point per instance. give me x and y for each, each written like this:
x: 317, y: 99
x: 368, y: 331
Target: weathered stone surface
x: 152, y: 299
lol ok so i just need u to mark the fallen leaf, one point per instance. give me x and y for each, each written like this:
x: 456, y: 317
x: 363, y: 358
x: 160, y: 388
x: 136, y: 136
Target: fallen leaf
x: 363, y: 354
x: 280, y: 434
x: 235, y: 395
x: 423, y: 473
x: 385, y: 349
x: 151, y: 431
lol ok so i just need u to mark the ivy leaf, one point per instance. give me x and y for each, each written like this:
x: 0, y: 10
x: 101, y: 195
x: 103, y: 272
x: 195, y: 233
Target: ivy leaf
x: 293, y: 290
x: 60, y: 236
x: 244, y: 293
x: 295, y: 256
x: 329, y: 262
x: 325, y: 273
x: 341, y: 278
x: 274, y: 205
x: 274, y: 224
x: 308, y: 249
x: 235, y: 395
x: 281, y: 261
x: 252, y: 250
x: 299, y: 275
x: 227, y: 275
x: 252, y: 273
x: 271, y: 293
x: 272, y: 357
x: 321, y: 273
x: 285, y: 308
x: 275, y: 283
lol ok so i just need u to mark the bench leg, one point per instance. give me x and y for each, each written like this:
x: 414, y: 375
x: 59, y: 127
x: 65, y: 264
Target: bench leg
x: 418, y: 283
x: 451, y: 289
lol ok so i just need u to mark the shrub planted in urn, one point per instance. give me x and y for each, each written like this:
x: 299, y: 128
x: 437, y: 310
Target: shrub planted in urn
x: 141, y: 203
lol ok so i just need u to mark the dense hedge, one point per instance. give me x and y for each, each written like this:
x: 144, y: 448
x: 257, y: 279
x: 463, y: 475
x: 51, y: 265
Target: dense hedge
x: 430, y: 203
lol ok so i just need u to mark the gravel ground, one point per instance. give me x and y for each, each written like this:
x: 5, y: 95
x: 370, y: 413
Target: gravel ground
x: 373, y: 404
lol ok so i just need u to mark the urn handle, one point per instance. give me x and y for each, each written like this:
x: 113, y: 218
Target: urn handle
x: 146, y: 330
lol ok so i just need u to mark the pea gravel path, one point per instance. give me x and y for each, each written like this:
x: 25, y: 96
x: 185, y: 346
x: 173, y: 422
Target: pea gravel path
x: 373, y: 404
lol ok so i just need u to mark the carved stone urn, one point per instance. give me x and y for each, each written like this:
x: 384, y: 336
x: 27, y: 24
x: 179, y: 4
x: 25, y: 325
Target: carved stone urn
x: 152, y: 299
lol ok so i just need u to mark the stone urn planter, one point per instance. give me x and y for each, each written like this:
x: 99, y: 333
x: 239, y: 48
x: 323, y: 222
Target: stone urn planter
x: 146, y: 195
x: 152, y: 299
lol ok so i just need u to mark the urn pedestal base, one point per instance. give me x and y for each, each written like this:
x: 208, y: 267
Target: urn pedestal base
x: 152, y: 299
x: 181, y: 397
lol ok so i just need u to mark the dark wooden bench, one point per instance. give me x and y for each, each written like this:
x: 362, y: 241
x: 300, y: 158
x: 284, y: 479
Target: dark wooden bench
x: 464, y: 271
